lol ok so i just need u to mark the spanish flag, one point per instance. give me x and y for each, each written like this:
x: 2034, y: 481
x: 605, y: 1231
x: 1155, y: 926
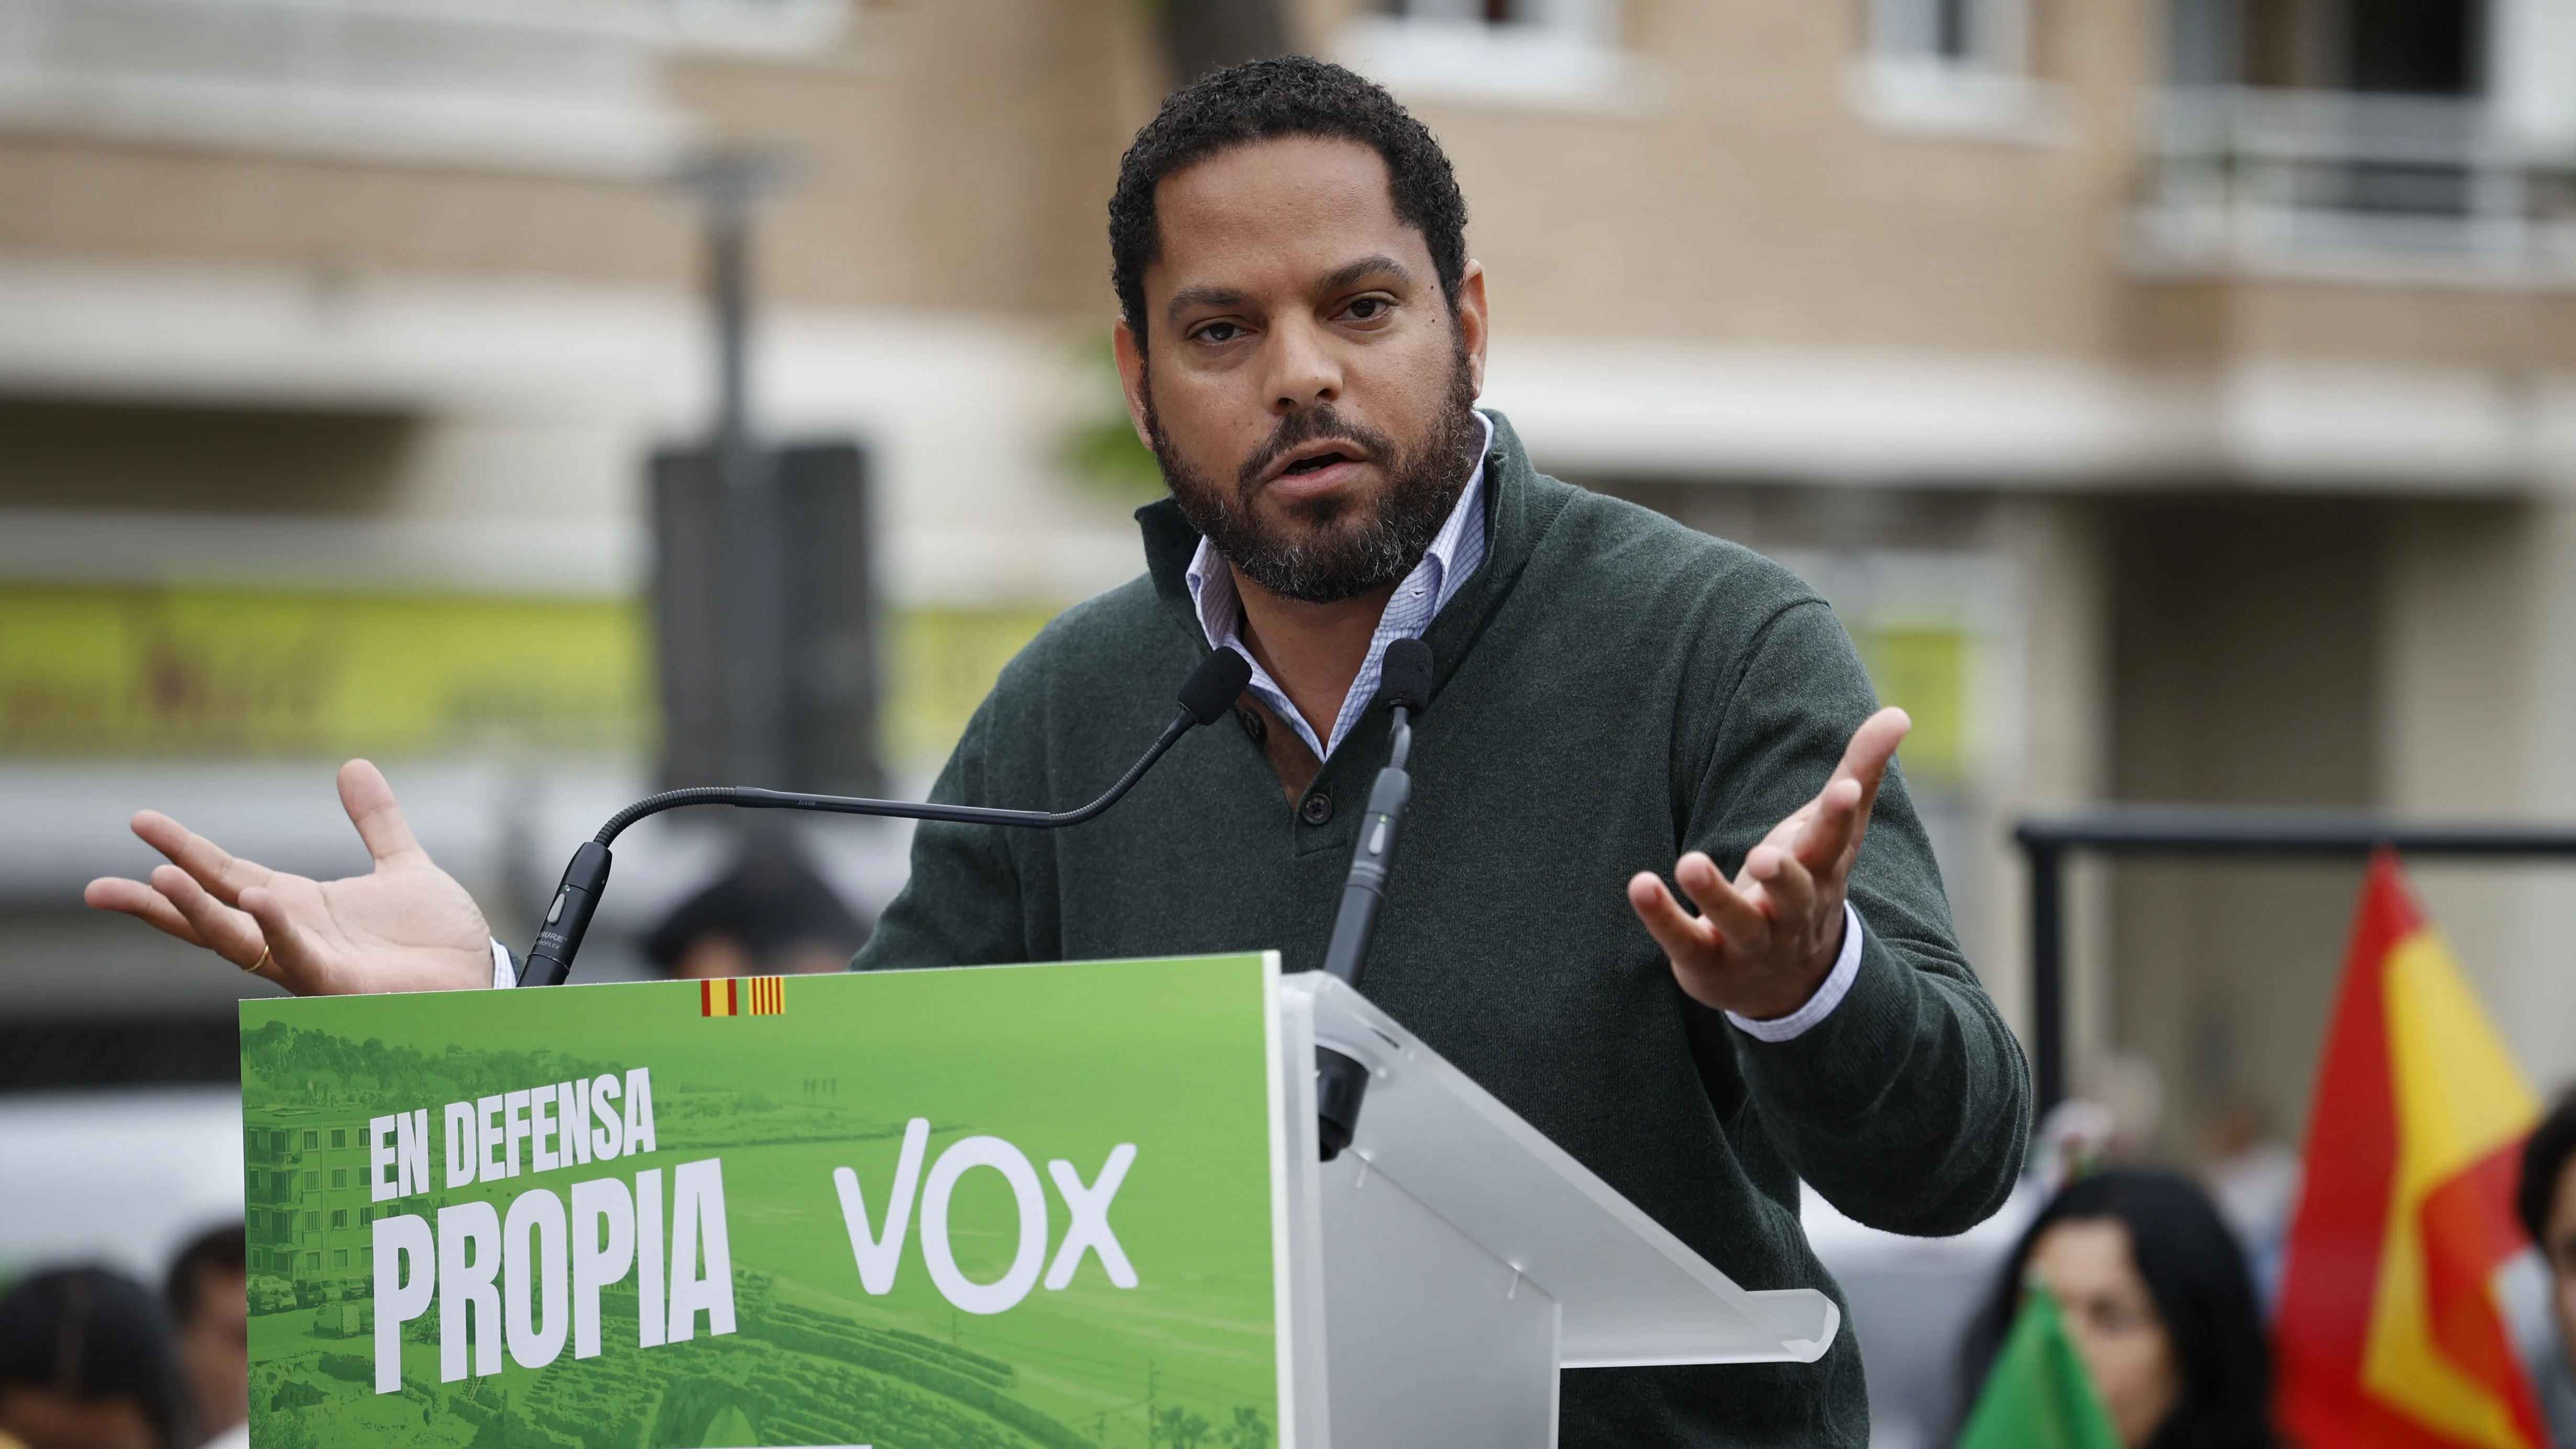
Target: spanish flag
x: 2389, y: 1333
x: 744, y: 996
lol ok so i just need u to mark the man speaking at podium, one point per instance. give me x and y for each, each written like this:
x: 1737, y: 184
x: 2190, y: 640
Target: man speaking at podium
x: 1302, y: 338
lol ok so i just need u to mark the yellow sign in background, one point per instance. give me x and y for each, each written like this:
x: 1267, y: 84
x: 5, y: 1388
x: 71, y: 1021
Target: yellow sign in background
x: 184, y: 671
x: 221, y: 672
x: 1923, y: 670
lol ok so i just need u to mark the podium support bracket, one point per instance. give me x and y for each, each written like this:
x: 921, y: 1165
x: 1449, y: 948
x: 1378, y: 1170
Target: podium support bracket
x: 1441, y: 1272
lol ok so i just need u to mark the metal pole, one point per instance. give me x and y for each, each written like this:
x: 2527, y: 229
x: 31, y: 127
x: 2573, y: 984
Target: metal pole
x: 2167, y: 830
x: 2236, y: 830
x: 2047, y: 973
x: 729, y: 289
x: 731, y: 184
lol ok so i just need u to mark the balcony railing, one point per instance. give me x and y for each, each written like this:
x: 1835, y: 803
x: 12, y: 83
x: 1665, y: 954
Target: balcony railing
x: 2318, y: 180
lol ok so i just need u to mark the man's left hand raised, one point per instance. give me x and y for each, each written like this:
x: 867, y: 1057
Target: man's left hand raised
x: 1763, y: 943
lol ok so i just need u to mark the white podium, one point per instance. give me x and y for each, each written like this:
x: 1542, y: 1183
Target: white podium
x: 1447, y: 1265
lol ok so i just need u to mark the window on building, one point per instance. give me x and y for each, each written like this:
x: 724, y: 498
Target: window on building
x: 250, y: 1182
x: 313, y: 1261
x: 277, y: 1142
x: 1553, y: 54
x: 2403, y: 47
x: 339, y: 1137
x: 313, y: 1222
x: 339, y: 1178
x: 1498, y: 12
x: 281, y: 1183
x: 1950, y: 66
x: 2415, y: 47
x: 339, y: 1217
x: 313, y: 1181
x: 1984, y: 35
x: 312, y: 1140
x: 2420, y: 130
x: 339, y: 1257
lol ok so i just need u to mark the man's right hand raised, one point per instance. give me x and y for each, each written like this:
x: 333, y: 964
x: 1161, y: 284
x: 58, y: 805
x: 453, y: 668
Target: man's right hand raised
x: 407, y: 926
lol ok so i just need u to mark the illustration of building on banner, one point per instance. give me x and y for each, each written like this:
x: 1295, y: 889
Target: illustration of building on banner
x: 307, y: 1212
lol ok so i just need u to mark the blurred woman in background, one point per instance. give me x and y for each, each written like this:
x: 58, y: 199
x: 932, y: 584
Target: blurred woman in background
x: 2154, y: 1293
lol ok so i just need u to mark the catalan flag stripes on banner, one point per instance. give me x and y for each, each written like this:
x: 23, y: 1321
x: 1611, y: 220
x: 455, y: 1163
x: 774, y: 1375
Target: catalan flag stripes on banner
x: 747, y: 996
x: 2390, y: 1334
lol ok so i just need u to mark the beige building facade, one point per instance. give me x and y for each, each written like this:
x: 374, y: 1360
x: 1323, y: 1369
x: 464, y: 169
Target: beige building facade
x: 2177, y: 399
x: 2207, y: 368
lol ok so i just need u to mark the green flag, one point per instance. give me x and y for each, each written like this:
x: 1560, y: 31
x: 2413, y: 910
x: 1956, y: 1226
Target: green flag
x: 2038, y: 1395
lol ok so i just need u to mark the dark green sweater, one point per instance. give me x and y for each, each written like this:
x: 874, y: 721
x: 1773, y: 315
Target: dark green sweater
x: 1612, y: 689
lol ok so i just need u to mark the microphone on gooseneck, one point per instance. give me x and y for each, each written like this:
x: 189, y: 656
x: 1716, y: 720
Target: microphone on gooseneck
x: 1206, y: 697
x: 1341, y: 1082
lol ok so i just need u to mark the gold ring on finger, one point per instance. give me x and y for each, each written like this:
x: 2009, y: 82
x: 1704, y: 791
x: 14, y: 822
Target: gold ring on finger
x: 253, y: 968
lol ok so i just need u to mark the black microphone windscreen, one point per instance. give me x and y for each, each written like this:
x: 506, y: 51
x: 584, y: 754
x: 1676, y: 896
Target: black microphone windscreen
x: 1407, y: 677
x: 1213, y: 686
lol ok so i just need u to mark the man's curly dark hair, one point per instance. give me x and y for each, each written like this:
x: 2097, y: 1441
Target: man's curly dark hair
x: 1261, y: 100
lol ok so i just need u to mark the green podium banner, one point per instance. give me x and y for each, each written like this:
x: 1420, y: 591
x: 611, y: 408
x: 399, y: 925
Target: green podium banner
x: 1005, y: 1206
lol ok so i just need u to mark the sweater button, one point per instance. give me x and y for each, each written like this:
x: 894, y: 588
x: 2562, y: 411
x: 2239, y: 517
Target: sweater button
x: 1317, y: 808
x: 1253, y: 728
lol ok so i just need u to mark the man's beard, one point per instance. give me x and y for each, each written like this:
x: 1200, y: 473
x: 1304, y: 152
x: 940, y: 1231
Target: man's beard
x: 1332, y: 563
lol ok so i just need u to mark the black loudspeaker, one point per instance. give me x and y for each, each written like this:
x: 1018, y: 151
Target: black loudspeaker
x: 764, y: 606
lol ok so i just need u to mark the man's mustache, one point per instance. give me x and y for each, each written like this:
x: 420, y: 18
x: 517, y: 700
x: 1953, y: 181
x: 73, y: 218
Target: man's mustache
x: 1299, y: 429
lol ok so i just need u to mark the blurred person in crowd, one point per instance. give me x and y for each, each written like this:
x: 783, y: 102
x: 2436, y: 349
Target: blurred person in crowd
x: 2153, y: 1291
x: 2546, y: 1202
x: 2253, y: 1177
x: 2114, y: 1117
x: 2134, y: 1091
x: 87, y: 1362
x: 770, y: 915
x: 209, y: 1300
x: 2074, y: 1139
